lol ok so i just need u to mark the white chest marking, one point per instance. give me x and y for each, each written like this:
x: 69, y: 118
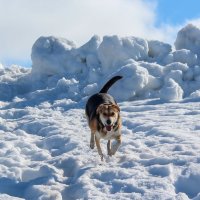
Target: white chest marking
x: 109, y: 135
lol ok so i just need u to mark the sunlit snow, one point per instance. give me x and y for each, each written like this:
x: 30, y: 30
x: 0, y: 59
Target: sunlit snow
x: 44, y: 146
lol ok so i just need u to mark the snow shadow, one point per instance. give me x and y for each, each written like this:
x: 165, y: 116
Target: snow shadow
x: 189, y: 185
x: 12, y: 188
x: 18, y: 189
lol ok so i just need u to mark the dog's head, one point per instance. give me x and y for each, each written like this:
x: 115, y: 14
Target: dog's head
x: 108, y: 114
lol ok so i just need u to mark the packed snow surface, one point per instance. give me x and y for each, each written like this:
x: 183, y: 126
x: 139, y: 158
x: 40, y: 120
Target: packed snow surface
x: 44, y: 146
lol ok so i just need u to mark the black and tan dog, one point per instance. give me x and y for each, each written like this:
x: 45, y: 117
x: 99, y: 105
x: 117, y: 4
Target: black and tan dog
x: 104, y: 119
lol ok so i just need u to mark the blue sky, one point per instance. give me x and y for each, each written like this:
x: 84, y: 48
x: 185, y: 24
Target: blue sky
x: 176, y: 12
x: 22, y: 22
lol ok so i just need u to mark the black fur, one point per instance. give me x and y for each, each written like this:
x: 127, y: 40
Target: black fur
x: 100, y: 98
x: 109, y: 84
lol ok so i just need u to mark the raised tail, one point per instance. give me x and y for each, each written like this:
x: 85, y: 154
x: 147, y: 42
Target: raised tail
x: 109, y: 84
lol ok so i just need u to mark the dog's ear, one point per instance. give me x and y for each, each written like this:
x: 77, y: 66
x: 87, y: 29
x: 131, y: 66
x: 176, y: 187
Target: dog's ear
x: 116, y: 107
x: 99, y: 108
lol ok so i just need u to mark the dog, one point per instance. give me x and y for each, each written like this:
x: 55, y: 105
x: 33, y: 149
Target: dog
x: 103, y: 116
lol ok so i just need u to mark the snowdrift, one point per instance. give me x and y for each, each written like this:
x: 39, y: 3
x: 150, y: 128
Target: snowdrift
x: 151, y: 69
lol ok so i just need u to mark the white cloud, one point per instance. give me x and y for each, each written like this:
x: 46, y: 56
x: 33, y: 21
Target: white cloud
x: 22, y: 22
x: 195, y: 22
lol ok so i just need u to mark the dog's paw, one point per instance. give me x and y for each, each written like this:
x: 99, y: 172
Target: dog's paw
x: 102, y: 157
x: 92, y: 145
x: 110, y: 153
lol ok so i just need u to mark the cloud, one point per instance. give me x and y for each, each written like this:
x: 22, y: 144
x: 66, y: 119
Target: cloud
x: 195, y: 22
x: 22, y: 22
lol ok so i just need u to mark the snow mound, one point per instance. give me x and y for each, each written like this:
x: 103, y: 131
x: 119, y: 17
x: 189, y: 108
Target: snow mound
x: 189, y: 38
x: 171, y: 91
x: 113, y: 51
x: 134, y: 58
x: 52, y: 55
x: 75, y: 73
x: 158, y: 50
x: 185, y: 56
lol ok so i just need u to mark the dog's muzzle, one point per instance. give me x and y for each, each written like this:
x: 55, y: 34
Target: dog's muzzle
x: 108, y: 127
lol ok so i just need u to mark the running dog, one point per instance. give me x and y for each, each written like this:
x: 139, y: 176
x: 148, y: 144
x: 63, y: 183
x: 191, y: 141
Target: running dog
x: 103, y: 115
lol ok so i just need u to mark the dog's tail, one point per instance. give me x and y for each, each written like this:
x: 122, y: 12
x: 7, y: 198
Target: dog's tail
x: 109, y: 84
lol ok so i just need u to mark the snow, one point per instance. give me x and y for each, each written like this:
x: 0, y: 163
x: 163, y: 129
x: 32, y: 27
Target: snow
x: 171, y: 91
x: 44, y: 146
x: 188, y: 38
x: 158, y: 50
x: 113, y: 51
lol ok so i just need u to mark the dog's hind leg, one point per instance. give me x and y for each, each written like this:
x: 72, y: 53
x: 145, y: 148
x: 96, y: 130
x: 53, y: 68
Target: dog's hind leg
x: 92, y: 143
x: 97, y: 140
x: 108, y: 148
x: 116, y: 145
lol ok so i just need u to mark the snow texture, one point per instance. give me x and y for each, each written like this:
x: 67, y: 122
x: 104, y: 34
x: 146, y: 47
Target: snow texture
x: 44, y: 146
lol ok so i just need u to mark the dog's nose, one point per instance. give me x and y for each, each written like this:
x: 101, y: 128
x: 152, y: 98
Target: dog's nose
x: 108, y: 121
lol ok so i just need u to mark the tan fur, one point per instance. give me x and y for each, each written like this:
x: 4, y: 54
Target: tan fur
x: 93, y: 125
x: 98, y: 131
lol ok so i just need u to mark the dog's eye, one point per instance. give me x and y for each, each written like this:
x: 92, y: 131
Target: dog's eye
x: 105, y: 114
x: 112, y: 114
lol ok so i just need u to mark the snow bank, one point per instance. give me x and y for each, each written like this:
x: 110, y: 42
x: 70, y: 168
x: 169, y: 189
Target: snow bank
x: 14, y: 81
x: 189, y: 38
x: 171, y: 91
x: 158, y: 50
x: 150, y: 69
x: 113, y: 51
x: 52, y: 55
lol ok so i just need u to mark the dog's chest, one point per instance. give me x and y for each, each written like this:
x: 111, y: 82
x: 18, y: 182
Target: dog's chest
x: 107, y: 135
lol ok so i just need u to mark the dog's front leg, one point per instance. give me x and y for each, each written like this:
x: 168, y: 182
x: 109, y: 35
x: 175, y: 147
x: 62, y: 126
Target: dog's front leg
x: 108, y: 148
x: 92, y: 143
x: 97, y: 140
x: 116, y: 145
